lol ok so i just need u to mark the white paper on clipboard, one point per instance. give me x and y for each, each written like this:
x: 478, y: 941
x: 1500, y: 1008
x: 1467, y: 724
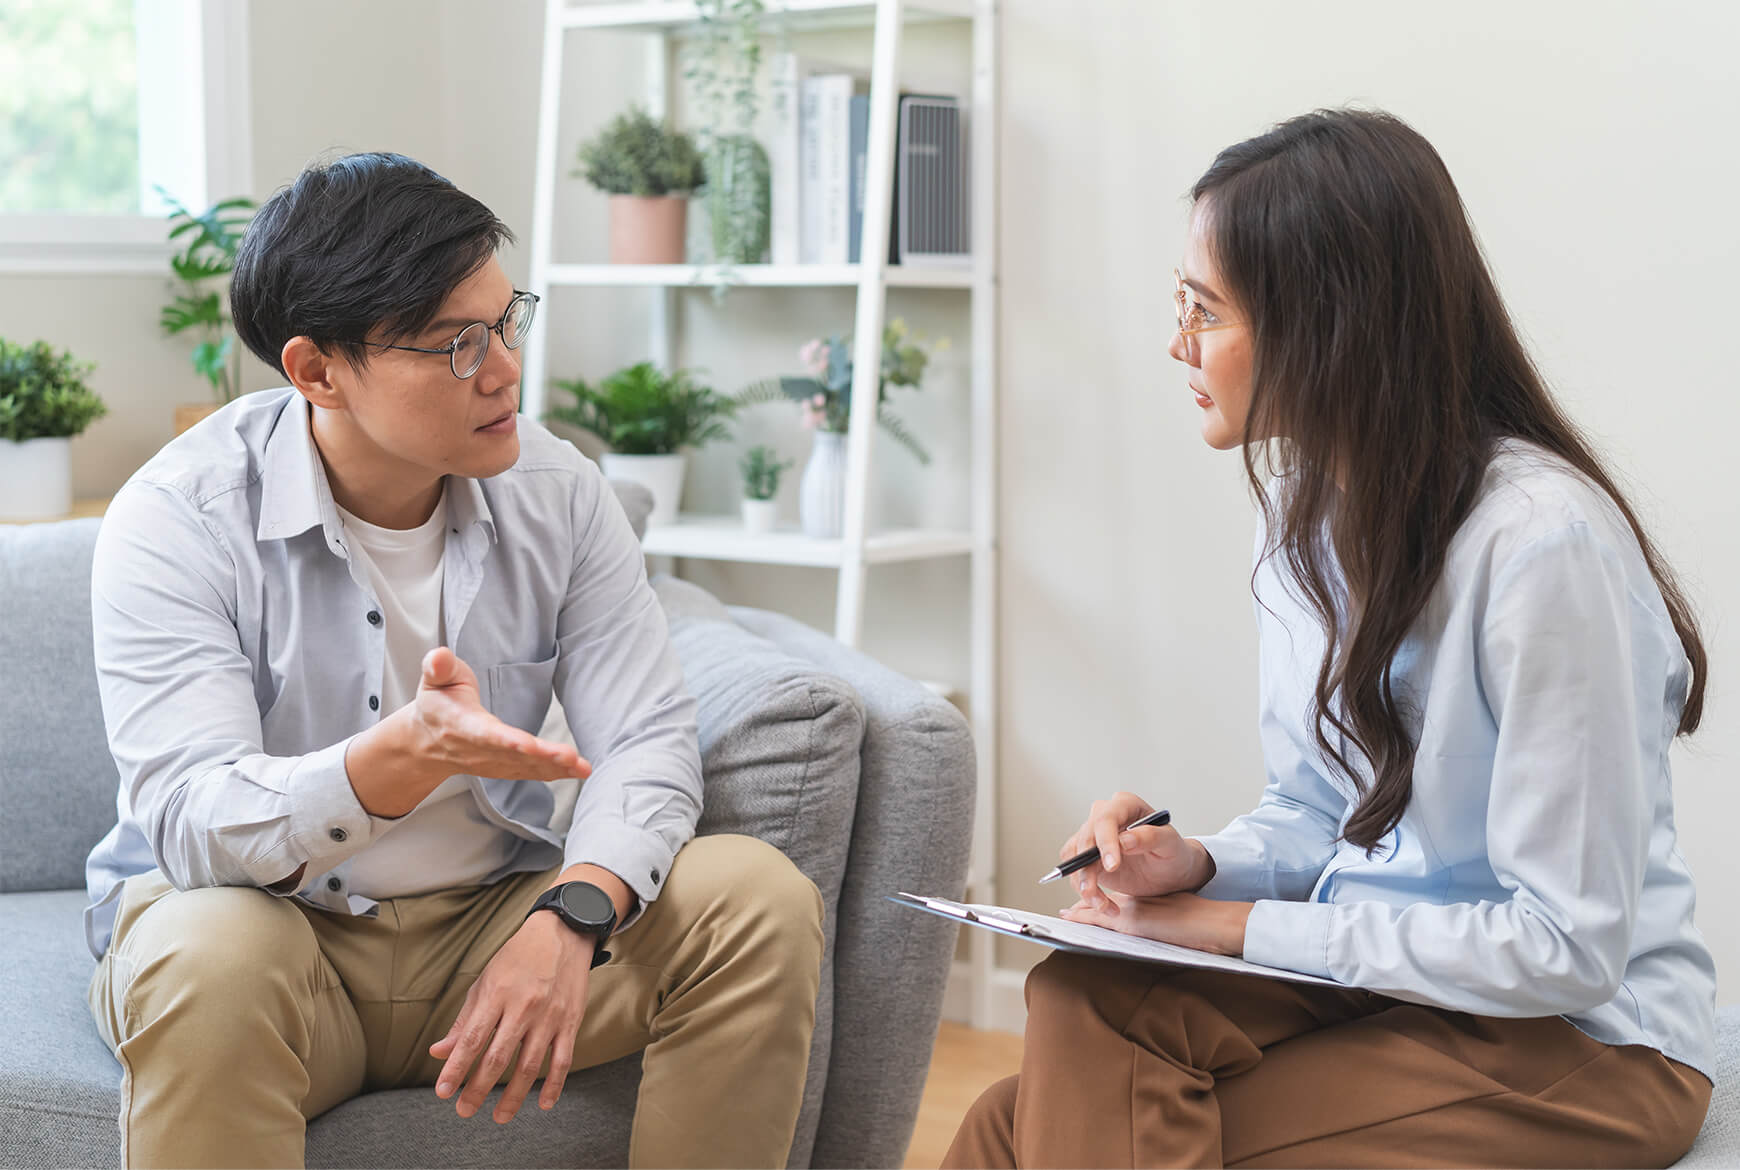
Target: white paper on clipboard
x: 1082, y: 938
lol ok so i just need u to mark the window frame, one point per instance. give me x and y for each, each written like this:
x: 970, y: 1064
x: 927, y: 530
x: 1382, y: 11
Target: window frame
x: 211, y: 151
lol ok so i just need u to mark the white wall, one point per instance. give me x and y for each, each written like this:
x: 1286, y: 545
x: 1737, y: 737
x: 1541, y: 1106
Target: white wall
x: 1592, y: 143
x: 1593, y: 146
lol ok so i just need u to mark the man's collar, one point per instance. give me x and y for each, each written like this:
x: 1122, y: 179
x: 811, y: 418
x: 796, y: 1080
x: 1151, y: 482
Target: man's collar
x: 295, y: 494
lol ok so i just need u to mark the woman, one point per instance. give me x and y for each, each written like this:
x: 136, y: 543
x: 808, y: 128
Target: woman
x: 1473, y: 661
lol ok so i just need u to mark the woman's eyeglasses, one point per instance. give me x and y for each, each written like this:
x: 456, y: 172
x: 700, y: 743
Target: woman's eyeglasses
x: 1193, y: 318
x: 466, y: 352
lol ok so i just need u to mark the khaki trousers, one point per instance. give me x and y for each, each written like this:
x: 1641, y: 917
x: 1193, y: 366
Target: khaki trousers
x: 1133, y: 1064
x: 238, y: 1016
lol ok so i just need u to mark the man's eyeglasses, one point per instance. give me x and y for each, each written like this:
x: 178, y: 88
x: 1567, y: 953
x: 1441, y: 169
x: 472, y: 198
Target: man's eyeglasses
x: 466, y: 352
x: 1193, y: 318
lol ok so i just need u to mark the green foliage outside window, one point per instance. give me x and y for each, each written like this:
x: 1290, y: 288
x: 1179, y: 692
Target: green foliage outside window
x: 69, y: 107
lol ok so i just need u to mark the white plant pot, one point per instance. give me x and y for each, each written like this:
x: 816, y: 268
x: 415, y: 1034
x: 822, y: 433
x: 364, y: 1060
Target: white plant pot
x: 662, y: 475
x: 759, y: 515
x: 822, y: 494
x: 35, y: 479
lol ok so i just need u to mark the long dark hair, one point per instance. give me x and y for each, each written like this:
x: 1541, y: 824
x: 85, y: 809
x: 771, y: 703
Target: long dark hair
x: 1386, y: 364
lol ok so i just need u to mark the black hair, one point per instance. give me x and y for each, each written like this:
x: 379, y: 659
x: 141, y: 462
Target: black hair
x: 368, y: 244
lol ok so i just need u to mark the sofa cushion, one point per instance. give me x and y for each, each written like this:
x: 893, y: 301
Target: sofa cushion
x: 57, y: 779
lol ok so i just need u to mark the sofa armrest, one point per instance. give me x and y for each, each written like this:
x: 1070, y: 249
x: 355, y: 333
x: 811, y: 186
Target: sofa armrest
x: 912, y: 831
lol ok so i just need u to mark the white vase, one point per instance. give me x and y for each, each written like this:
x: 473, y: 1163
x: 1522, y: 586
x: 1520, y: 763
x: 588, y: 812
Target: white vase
x: 759, y: 515
x: 822, y: 494
x: 35, y: 479
x: 662, y: 475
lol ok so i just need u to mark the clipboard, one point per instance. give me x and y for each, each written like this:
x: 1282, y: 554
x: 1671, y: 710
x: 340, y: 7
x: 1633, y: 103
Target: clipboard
x: 1083, y: 939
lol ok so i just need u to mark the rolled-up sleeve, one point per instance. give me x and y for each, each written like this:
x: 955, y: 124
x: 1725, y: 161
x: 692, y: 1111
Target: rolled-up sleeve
x: 1580, y: 679
x: 180, y: 711
x: 620, y: 683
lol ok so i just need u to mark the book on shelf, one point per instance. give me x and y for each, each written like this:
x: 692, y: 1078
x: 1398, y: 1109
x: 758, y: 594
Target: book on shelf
x: 827, y: 168
x: 818, y: 141
x: 859, y: 136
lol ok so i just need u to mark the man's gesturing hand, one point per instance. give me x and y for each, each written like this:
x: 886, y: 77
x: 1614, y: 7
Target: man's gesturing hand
x: 446, y: 731
x: 531, y: 997
x: 465, y: 738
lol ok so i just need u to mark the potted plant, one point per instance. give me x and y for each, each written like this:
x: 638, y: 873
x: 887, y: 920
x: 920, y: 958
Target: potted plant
x: 44, y: 402
x: 208, y: 255
x: 648, y: 418
x: 724, y: 62
x: 648, y: 169
x: 825, y: 397
x: 761, y: 470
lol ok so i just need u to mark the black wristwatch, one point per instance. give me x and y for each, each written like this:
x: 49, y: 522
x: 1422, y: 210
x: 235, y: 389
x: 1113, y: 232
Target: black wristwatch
x: 585, y: 908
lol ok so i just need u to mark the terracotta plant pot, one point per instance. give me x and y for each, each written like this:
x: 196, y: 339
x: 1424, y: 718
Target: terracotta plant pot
x: 648, y: 229
x: 189, y: 413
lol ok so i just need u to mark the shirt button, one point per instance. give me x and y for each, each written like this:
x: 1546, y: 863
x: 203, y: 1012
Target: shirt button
x: 374, y: 617
x: 338, y: 835
x: 655, y: 875
x: 334, y: 884
x: 374, y: 702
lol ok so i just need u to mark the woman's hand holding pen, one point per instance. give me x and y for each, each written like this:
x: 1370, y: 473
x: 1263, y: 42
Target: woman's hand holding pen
x: 1145, y: 862
x: 1145, y: 881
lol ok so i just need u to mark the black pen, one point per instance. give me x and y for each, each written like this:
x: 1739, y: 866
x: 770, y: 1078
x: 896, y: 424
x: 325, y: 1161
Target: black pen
x: 1083, y: 860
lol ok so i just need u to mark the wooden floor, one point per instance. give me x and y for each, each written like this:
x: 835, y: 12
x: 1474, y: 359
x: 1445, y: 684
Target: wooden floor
x: 964, y: 1064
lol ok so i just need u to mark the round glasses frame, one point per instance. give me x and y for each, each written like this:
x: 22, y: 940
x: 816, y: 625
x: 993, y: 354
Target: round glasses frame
x: 1192, y: 317
x: 471, y: 346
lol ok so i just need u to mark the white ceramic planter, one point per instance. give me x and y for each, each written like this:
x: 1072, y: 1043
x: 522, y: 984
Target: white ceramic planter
x: 662, y: 475
x: 759, y: 515
x: 35, y: 479
x: 822, y: 494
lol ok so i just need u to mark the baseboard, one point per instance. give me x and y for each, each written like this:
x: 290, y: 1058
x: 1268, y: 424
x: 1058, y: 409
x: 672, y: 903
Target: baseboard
x: 1008, y: 1005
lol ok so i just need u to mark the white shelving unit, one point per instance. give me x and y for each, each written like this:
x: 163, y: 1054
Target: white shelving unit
x: 723, y: 538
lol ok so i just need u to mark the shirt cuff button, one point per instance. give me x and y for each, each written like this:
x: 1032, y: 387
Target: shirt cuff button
x: 655, y: 876
x: 334, y: 884
x: 338, y: 835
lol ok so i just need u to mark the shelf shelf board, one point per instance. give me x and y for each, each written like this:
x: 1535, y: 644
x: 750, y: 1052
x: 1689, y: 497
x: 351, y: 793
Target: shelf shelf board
x: 723, y: 538
x: 680, y: 16
x: 751, y: 275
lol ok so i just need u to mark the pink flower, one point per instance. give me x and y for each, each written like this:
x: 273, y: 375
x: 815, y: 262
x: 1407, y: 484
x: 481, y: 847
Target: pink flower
x: 814, y: 356
x: 813, y: 417
x: 819, y: 401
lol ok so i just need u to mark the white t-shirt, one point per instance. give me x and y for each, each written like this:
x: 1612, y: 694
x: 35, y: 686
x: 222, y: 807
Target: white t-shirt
x: 445, y: 841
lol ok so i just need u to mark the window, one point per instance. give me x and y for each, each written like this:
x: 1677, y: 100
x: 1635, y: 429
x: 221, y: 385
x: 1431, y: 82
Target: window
x: 107, y: 101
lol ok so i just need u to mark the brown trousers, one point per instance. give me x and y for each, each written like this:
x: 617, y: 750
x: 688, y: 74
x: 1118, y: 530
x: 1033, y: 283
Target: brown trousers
x: 238, y: 1016
x: 1134, y: 1064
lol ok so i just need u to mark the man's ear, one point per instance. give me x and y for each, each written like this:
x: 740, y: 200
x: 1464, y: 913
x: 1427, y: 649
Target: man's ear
x: 311, y: 371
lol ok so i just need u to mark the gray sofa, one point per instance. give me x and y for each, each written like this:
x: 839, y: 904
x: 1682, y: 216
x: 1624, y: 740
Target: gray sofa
x: 862, y: 777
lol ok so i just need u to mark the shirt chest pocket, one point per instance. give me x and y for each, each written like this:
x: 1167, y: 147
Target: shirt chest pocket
x: 518, y: 693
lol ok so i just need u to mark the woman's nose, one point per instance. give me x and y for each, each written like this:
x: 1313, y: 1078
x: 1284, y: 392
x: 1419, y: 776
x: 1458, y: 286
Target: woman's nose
x: 1179, y: 348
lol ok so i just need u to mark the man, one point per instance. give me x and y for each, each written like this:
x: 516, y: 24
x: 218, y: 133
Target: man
x: 327, y: 622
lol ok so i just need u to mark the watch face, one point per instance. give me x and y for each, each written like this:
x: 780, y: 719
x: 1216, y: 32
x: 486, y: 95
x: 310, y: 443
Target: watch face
x: 587, y: 903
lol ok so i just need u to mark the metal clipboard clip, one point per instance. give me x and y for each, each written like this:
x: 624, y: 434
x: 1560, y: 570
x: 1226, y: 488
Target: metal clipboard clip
x: 986, y: 918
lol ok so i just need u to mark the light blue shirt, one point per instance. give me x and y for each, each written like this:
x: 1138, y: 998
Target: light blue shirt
x: 236, y: 661
x: 1535, y: 871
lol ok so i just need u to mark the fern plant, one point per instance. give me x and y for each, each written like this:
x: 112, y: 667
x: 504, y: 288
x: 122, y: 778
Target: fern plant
x: 761, y: 470
x: 643, y: 411
x: 208, y: 254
